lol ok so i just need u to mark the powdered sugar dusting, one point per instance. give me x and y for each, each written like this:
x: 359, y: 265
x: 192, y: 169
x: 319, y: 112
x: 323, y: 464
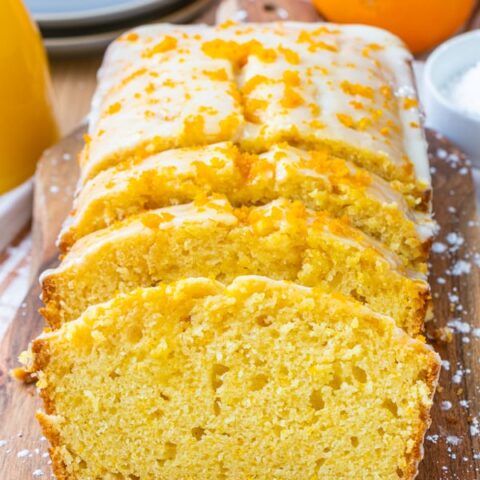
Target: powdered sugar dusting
x: 455, y: 331
x: 35, y: 458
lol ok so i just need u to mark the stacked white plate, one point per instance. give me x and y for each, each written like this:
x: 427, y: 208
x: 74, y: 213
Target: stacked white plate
x: 80, y: 26
x: 15, y: 211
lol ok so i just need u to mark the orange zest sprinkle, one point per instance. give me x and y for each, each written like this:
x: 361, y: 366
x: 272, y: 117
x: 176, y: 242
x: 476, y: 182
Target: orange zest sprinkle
x: 409, y: 102
x: 291, y: 78
x: 314, y: 109
x: 314, y: 45
x: 363, y: 123
x: 376, y: 113
x: 349, y: 122
x: 221, y: 49
x: 266, y: 55
x: 208, y: 110
x: 357, y: 89
x: 220, y: 74
x: 317, y: 124
x: 291, y: 56
x: 252, y: 83
x: 375, y: 47
x: 168, y: 43
x: 228, y: 126
x: 227, y: 24
x: 252, y: 105
x: 194, y: 130
x: 135, y: 74
x: 238, y: 53
x: 169, y: 83
x: 322, y: 46
x: 356, y: 105
x: 386, y: 91
x: 325, y: 30
x: 113, y: 108
x: 132, y: 37
x: 346, y: 120
x: 291, y: 99
x: 129, y: 37
x: 153, y: 221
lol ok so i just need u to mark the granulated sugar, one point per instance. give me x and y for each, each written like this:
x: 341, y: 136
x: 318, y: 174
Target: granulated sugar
x: 463, y: 90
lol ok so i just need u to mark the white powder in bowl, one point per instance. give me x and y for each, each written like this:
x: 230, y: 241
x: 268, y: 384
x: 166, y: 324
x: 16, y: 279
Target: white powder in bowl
x: 464, y: 90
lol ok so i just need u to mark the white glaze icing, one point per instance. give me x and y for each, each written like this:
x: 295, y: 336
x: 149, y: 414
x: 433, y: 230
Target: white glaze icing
x: 129, y: 127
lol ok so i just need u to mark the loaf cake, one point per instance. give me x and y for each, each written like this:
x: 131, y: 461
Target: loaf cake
x: 259, y: 379
x: 243, y: 289
x: 209, y: 237
x: 319, y: 180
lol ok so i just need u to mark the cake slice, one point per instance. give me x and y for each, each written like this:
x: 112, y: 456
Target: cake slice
x: 321, y: 181
x: 209, y: 237
x: 256, y: 380
x: 345, y: 88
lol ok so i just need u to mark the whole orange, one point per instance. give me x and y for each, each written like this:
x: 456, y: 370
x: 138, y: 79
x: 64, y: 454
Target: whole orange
x: 421, y: 24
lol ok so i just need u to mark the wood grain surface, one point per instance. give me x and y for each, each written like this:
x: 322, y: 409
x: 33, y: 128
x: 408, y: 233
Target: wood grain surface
x: 452, y: 448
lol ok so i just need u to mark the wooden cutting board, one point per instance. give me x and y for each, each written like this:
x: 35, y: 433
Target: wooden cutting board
x: 452, y: 448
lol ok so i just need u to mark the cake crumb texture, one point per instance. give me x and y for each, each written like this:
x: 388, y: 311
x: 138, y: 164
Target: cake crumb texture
x: 260, y: 379
x: 209, y: 237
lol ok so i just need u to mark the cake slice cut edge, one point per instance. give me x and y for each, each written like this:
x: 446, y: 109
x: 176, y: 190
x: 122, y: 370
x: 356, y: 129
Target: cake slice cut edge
x: 318, y: 179
x: 209, y: 237
x: 249, y: 380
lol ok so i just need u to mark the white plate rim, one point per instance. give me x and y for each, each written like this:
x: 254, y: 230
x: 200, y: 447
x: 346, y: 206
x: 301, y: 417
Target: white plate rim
x: 99, y: 15
x: 81, y: 43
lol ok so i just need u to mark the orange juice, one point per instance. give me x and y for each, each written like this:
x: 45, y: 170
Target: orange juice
x: 27, y: 122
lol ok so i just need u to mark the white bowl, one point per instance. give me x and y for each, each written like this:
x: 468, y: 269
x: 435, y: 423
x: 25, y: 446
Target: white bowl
x: 448, y: 60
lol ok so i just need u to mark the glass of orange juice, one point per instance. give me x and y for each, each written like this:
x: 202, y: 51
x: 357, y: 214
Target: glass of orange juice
x: 27, y: 120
